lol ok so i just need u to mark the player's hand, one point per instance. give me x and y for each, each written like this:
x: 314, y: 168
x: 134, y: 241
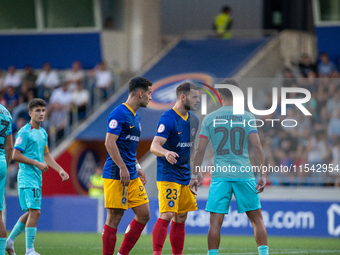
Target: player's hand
x: 42, y: 167
x: 124, y: 176
x: 261, y: 184
x: 171, y: 157
x: 193, y: 186
x: 64, y: 176
x: 195, y: 183
x: 142, y: 176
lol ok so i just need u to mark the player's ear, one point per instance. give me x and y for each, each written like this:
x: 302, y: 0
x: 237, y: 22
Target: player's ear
x: 141, y: 93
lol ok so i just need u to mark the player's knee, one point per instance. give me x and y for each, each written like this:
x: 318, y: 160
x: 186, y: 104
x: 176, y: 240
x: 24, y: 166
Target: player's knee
x: 35, y: 214
x: 143, y: 218
x: 181, y: 218
x: 255, y: 217
x: 167, y: 216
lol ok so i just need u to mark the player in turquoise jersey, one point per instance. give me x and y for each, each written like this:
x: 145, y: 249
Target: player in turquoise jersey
x: 31, y: 149
x: 232, y: 171
x: 6, y: 148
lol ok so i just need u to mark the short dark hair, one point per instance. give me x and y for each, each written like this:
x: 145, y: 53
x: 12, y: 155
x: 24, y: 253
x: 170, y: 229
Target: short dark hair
x: 35, y: 102
x: 225, y: 8
x: 184, y: 88
x: 139, y: 83
x: 226, y: 93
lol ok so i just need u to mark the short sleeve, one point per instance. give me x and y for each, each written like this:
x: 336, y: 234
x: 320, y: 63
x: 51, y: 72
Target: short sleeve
x: 164, y: 126
x: 21, y: 142
x: 205, y: 129
x: 115, y: 122
x: 251, y: 125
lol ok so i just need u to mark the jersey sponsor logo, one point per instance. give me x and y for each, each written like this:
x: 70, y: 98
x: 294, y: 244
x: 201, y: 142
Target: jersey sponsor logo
x: 171, y: 203
x: 193, y: 131
x: 184, y: 145
x: 18, y: 141
x: 132, y: 138
x: 164, y: 90
x: 161, y: 128
x: 113, y: 124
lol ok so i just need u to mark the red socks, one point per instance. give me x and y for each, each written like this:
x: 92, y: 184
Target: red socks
x: 177, y: 234
x: 159, y: 233
x: 109, y: 240
x: 131, y: 237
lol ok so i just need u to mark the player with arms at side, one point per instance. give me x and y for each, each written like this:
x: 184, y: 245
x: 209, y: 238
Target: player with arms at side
x: 172, y: 144
x: 123, y: 177
x: 229, y: 135
x: 31, y: 149
x: 6, y: 148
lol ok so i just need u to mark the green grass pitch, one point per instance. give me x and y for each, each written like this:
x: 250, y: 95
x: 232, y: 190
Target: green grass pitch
x: 48, y: 243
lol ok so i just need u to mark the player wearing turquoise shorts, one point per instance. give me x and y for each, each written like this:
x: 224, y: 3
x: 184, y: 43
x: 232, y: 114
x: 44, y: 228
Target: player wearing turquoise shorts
x: 31, y: 149
x: 172, y: 145
x: 6, y: 148
x: 232, y: 171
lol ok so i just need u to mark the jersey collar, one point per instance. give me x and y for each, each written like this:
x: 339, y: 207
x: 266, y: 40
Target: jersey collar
x: 184, y: 118
x: 130, y: 108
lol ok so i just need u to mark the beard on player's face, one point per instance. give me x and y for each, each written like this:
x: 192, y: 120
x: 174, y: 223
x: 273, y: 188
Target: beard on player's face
x: 187, y: 104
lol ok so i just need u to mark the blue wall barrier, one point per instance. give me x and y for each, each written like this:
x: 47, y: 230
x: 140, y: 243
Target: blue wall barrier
x: 328, y: 41
x: 282, y: 218
x: 58, y: 49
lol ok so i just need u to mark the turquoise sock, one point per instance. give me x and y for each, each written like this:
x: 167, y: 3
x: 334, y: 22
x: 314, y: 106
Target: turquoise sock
x: 2, y: 245
x: 213, y: 252
x: 17, y: 230
x: 263, y: 250
x: 30, y: 237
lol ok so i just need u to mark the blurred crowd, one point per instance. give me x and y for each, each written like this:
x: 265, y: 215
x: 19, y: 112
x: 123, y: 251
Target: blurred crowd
x: 311, y: 150
x: 70, y: 96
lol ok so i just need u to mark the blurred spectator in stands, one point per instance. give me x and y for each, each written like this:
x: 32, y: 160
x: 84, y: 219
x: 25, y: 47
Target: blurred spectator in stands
x: 61, y: 96
x: 326, y: 67
x: 75, y: 75
x: 25, y: 96
x: 103, y: 79
x: 317, y: 149
x: 80, y: 98
x: 46, y: 82
x: 334, y: 126
x: 26, y: 93
x: 333, y: 103
x: 30, y: 78
x: 223, y: 23
x: 109, y: 23
x: 95, y: 184
x: 12, y: 79
x: 20, y: 121
x: 311, y: 82
x: 307, y: 66
x: 58, y: 110
x: 289, y: 79
x: 322, y: 97
x: 304, y: 122
x: 11, y: 98
x: 322, y: 120
x: 336, y: 162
